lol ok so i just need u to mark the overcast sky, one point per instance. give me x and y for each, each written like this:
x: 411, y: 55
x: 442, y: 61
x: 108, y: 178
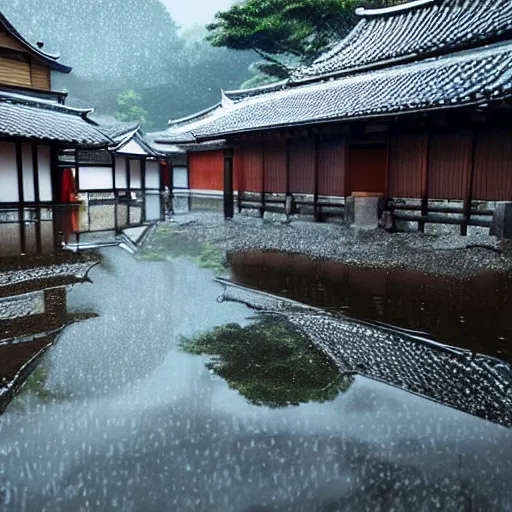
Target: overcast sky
x: 188, y: 12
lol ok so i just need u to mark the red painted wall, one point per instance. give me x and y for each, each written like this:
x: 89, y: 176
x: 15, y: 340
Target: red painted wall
x: 206, y: 170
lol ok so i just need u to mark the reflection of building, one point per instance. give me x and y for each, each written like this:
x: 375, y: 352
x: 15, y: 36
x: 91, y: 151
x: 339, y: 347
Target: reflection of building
x: 469, y: 313
x: 411, y: 107
x: 32, y: 313
x: 475, y: 384
x: 35, y: 125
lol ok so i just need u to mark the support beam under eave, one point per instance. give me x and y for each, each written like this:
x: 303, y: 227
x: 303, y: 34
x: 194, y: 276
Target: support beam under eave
x: 228, y: 184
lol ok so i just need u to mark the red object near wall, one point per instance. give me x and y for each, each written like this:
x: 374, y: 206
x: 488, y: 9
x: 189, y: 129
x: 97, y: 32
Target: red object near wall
x: 302, y: 166
x: 68, y: 187
x: 407, y: 162
x: 206, y: 170
x: 367, y: 169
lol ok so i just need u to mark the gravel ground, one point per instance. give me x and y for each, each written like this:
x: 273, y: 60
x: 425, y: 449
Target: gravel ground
x: 448, y: 255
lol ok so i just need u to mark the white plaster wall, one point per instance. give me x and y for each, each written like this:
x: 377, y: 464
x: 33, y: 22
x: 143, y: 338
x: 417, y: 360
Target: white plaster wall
x: 8, y: 174
x: 135, y: 182
x: 180, y: 177
x: 133, y: 148
x: 152, y: 174
x: 45, y: 173
x: 121, y: 173
x: 96, y: 178
x: 28, y: 173
x: 152, y: 206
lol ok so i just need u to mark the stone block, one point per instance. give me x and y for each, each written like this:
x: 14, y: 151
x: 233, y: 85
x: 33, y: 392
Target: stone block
x: 501, y: 226
x: 366, y: 211
x: 349, y: 211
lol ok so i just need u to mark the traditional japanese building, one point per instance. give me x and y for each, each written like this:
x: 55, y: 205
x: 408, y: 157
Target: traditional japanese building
x: 35, y: 125
x: 413, y: 106
x: 196, y: 171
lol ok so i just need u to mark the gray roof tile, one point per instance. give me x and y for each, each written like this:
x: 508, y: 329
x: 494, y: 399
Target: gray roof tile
x: 413, y: 32
x: 466, y: 78
x: 36, y: 119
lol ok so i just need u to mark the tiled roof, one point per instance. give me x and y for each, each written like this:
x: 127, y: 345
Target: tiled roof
x: 33, y: 118
x: 49, y: 59
x: 412, y: 31
x: 114, y: 131
x: 474, y: 77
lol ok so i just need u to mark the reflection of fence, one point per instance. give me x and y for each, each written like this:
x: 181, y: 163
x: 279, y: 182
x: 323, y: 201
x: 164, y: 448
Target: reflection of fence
x: 475, y: 384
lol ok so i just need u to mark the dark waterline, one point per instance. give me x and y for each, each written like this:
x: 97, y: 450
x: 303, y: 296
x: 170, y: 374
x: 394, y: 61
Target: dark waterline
x: 474, y: 314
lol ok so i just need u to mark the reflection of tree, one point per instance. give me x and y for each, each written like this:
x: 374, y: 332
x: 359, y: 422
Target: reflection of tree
x: 270, y: 362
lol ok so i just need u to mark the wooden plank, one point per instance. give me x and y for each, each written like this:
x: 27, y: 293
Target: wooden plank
x: 41, y: 77
x: 15, y: 72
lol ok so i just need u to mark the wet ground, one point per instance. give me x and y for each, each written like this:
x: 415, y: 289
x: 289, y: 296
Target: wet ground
x: 158, y: 396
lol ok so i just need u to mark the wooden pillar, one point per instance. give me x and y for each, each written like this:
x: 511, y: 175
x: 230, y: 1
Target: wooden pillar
x: 425, y: 181
x: 262, y: 208
x: 77, y: 171
x: 128, y: 177
x: 288, y: 144
x: 113, y: 163
x: 470, y: 178
x: 143, y: 187
x: 388, y: 167
x: 170, y: 168
x: 316, y: 213
x: 228, y: 184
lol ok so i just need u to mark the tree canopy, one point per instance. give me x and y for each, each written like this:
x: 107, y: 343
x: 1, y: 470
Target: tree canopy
x: 270, y: 363
x: 286, y: 33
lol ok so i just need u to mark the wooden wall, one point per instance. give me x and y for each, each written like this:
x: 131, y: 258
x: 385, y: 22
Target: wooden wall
x: 18, y: 67
x: 442, y: 165
x: 289, y: 166
x: 206, y: 170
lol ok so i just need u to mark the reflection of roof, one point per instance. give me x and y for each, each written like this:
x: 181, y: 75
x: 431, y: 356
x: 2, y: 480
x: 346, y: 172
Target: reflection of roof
x: 475, y: 77
x: 34, y: 118
x: 415, y: 30
x: 475, y: 384
x: 49, y: 59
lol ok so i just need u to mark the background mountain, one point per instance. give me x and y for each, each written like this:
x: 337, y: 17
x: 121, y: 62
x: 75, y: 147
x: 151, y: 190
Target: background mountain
x: 116, y: 46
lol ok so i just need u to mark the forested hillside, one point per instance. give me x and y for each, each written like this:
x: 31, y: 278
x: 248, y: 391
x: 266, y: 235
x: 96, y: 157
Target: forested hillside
x: 130, y: 45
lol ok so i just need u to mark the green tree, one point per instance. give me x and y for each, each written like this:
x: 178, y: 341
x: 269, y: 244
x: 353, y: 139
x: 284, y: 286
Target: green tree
x: 129, y: 108
x: 285, y: 33
x: 270, y: 362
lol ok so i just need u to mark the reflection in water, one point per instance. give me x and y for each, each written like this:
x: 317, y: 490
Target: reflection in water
x: 472, y: 314
x: 478, y: 385
x: 146, y: 427
x: 270, y: 362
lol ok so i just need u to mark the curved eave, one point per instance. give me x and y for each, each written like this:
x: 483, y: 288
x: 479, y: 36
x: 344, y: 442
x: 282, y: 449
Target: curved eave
x: 346, y: 119
x: 48, y: 58
x: 193, y: 117
x: 395, y: 9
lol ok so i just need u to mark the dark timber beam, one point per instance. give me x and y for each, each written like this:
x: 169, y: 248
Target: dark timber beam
x: 470, y: 178
x: 228, y: 184
x: 262, y: 209
x: 316, y: 142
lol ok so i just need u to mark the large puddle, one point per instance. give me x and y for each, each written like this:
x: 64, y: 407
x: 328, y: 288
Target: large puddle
x: 151, y: 394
